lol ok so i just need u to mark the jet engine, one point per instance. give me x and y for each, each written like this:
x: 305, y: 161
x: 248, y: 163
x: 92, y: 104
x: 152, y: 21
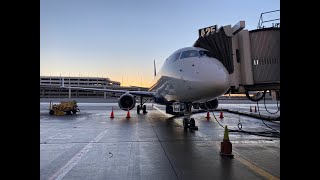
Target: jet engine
x: 209, y: 105
x: 126, y: 101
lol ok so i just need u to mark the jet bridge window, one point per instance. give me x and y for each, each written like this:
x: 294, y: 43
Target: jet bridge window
x: 189, y: 53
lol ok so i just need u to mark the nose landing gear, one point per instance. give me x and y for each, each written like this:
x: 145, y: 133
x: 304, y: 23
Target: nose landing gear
x: 187, y: 121
x: 191, y: 124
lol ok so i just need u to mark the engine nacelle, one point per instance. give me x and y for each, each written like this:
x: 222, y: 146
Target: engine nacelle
x: 209, y: 105
x: 126, y: 101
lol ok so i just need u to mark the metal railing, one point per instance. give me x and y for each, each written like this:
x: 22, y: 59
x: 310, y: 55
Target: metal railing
x: 261, y: 21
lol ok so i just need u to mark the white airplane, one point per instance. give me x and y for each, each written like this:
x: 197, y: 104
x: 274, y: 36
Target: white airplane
x: 190, y: 77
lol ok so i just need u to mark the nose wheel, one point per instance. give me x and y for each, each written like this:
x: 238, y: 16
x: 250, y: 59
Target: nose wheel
x: 193, y: 124
x: 189, y: 123
x: 185, y: 123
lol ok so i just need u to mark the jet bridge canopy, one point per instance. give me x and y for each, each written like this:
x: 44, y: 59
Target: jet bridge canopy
x: 220, y: 47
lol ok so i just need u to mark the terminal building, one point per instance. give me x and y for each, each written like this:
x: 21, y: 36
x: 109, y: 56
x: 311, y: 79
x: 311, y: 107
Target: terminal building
x: 50, y: 87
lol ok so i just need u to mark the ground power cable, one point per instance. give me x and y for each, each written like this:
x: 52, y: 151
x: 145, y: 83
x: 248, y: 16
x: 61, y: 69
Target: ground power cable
x: 258, y: 133
x: 263, y: 120
x: 264, y: 101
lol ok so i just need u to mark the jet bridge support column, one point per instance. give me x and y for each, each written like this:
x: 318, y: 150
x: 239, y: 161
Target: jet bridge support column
x: 245, y: 56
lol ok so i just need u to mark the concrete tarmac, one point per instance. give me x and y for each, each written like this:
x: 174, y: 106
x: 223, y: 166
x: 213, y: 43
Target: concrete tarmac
x: 90, y: 145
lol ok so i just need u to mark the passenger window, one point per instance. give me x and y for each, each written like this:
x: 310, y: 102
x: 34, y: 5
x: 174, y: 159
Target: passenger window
x: 190, y: 53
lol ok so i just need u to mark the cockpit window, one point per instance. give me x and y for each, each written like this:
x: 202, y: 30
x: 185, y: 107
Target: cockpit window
x: 189, y: 53
x: 175, y: 57
x: 202, y: 53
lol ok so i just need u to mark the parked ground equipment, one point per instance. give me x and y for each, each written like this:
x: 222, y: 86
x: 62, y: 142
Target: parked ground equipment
x: 64, y: 108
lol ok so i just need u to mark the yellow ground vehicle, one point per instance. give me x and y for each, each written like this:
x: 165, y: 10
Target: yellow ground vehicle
x: 64, y: 108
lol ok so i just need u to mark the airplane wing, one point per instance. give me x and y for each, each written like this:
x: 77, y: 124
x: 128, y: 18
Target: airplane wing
x: 137, y: 93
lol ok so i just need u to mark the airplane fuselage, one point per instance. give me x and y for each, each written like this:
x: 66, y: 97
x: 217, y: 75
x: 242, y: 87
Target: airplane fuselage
x: 190, y: 76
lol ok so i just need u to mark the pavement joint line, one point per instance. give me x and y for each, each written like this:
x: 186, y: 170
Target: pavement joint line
x: 70, y: 164
x: 253, y: 141
x: 160, y: 110
x: 270, y: 150
x: 164, y: 149
x: 45, y: 142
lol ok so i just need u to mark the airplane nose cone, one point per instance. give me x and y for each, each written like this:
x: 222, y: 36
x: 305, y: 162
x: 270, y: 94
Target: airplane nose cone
x: 222, y: 80
x: 215, y: 79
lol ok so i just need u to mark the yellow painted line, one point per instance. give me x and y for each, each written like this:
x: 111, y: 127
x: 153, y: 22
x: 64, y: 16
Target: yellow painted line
x: 255, y: 168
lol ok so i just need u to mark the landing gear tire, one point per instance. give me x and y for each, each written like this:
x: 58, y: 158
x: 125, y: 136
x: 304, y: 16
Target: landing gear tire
x: 192, y: 123
x: 51, y: 112
x: 144, y: 109
x: 138, y: 109
x: 185, y: 123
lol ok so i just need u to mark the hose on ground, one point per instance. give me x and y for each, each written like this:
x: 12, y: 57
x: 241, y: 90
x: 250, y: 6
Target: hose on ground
x: 258, y: 133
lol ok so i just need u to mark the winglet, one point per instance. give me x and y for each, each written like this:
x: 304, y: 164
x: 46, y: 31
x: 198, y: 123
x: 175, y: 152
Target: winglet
x: 154, y: 67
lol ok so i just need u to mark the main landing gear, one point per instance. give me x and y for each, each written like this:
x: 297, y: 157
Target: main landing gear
x: 142, y: 107
x: 187, y: 121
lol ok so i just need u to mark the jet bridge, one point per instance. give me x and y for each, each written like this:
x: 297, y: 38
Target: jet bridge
x: 252, y: 58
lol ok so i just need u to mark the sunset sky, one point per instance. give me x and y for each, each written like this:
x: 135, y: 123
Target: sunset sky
x: 120, y: 39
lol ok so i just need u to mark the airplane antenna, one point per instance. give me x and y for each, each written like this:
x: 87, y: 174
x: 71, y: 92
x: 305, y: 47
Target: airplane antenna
x: 154, y: 67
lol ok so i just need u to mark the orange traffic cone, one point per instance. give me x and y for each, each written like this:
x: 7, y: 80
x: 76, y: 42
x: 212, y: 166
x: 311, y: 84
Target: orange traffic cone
x: 112, y: 115
x: 128, y: 114
x: 226, y: 146
x: 208, y: 115
x: 250, y: 109
x: 255, y: 108
x: 221, y: 114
